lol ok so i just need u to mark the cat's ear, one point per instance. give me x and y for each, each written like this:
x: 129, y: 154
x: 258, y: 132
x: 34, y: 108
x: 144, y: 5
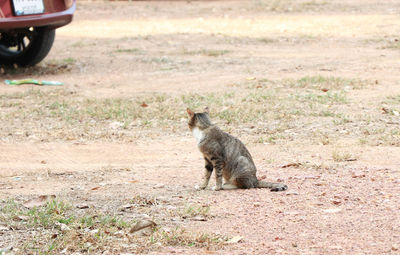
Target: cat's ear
x: 190, y: 112
x: 207, y: 110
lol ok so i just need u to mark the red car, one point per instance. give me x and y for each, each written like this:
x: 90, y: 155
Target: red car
x: 27, y: 28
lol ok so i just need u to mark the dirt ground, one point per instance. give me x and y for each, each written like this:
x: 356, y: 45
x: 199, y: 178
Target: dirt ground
x: 311, y: 87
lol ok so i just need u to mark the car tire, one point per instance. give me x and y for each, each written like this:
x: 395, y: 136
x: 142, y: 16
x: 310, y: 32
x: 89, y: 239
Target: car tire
x: 40, y: 42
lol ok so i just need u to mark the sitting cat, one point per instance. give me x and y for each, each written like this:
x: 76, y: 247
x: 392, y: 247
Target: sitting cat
x: 227, y: 155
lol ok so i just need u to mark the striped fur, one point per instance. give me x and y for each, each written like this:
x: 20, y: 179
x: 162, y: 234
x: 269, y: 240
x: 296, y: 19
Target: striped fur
x: 227, y: 155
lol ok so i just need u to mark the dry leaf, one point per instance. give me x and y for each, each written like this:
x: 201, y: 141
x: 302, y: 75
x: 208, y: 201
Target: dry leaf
x: 95, y: 188
x: 83, y: 206
x: 357, y: 175
x: 234, y: 239
x: 158, y: 186
x: 199, y: 218
x: 291, y: 165
x: 332, y: 210
x: 127, y: 206
x: 308, y: 177
x: 21, y: 218
x: 39, y: 201
x: 142, y: 224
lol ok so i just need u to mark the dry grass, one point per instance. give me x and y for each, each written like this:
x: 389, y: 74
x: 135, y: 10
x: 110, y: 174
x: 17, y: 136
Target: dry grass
x: 52, y: 227
x: 206, y: 52
x: 313, y: 107
x: 288, y: 6
x: 58, y: 227
x: 181, y: 237
x: 342, y: 156
x: 191, y: 211
x: 317, y: 82
x: 392, y: 44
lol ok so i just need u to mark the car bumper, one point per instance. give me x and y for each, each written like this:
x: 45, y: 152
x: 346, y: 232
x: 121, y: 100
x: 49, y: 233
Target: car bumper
x: 52, y: 20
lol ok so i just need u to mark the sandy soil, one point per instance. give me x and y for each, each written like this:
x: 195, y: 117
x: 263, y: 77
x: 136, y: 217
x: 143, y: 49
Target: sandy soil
x: 138, y: 48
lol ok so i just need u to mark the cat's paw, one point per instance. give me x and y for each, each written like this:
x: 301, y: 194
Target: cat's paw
x: 216, y: 188
x: 281, y: 187
x: 198, y: 187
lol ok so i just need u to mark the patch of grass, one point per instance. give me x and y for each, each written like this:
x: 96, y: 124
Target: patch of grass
x: 157, y: 60
x: 191, y: 211
x: 206, y: 52
x: 43, y: 217
x: 391, y: 105
x: 382, y: 134
x: 287, y: 5
x: 66, y: 116
x: 342, y: 156
x: 328, y: 98
x: 132, y: 50
x: 276, y: 113
x: 392, y: 44
x: 271, y: 139
x: 267, y: 40
x: 321, y: 167
x: 323, y: 82
x: 390, y: 137
x: 56, y: 226
x: 164, y: 63
x: 312, y: 5
x: 68, y: 61
x: 182, y: 237
x: 392, y: 99
x: 54, y: 211
x: 316, y: 82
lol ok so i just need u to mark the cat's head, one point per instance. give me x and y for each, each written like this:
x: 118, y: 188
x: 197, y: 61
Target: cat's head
x: 200, y: 120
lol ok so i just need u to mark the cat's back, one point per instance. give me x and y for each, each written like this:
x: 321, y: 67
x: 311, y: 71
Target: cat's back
x: 230, y: 145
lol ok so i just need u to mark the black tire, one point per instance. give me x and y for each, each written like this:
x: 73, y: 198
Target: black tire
x: 26, y: 47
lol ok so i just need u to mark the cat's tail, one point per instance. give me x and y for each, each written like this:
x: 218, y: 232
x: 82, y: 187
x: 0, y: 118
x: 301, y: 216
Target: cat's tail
x: 272, y: 186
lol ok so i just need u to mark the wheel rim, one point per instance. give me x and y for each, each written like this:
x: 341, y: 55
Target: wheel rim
x: 16, y: 43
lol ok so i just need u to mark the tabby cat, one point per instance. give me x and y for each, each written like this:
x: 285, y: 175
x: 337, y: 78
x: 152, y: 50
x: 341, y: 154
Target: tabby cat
x: 227, y: 155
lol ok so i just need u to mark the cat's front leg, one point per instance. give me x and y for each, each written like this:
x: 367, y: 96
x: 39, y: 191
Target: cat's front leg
x: 218, y: 166
x: 207, y: 173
